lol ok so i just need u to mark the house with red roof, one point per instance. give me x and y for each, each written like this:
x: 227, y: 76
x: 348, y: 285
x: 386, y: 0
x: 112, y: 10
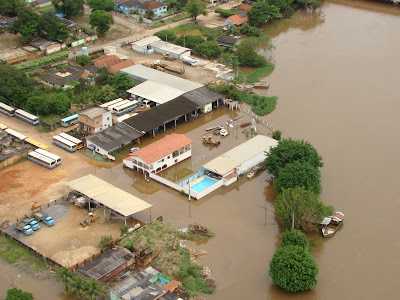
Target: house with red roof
x: 236, y: 20
x: 161, y: 154
x: 159, y: 8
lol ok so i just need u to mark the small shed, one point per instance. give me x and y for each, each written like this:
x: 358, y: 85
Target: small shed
x: 143, y: 45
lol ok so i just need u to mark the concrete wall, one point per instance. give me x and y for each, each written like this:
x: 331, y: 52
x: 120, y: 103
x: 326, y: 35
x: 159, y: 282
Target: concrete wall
x: 166, y: 182
x: 243, y: 168
x: 98, y: 149
x: 106, y: 120
x: 208, y: 190
x: 13, y: 159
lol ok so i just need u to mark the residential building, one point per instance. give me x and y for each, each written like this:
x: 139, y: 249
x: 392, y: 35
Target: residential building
x: 71, y: 25
x: 159, y: 8
x: 228, y: 41
x: 62, y: 77
x: 5, y: 21
x: 125, y: 6
x: 161, y: 154
x: 39, y: 3
x: 94, y: 119
x: 106, y: 61
x: 245, y: 7
x: 114, y: 69
x: 236, y: 20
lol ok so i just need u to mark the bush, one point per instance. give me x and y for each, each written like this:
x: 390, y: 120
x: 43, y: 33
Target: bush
x: 189, y: 41
x: 225, y: 12
x: 166, y: 35
x: 260, y: 72
x: 277, y: 135
x: 123, y: 230
x: 229, y: 90
x: 105, y: 241
x: 293, y: 269
x: 17, y: 294
x: 294, y: 237
x: 83, y: 60
x: 208, y: 49
x: 249, y: 58
x: 261, y: 105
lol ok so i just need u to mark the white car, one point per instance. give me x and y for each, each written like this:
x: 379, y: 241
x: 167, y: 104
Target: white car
x: 223, y: 132
x: 134, y: 149
x: 250, y: 174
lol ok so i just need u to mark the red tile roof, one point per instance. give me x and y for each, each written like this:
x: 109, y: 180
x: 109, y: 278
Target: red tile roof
x: 239, y: 20
x: 245, y: 7
x: 106, y: 61
x: 118, y: 66
x: 85, y: 75
x: 152, y: 5
x: 172, y: 285
x: 162, y: 148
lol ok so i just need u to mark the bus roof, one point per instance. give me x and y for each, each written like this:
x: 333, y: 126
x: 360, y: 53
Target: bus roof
x: 8, y: 107
x: 117, y: 104
x: 15, y: 134
x: 47, y: 154
x: 36, y: 143
x: 70, y: 118
x: 42, y: 157
x: 107, y: 104
x: 26, y: 114
x: 70, y: 138
x: 64, y: 141
x: 123, y: 106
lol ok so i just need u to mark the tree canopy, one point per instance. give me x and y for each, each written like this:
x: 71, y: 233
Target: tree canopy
x: 166, y: 35
x: 101, y: 20
x: 301, y: 174
x: 69, y: 7
x: 196, y: 8
x: 208, y: 49
x: 308, y: 3
x: 189, y: 41
x: 17, y: 294
x: 249, y: 58
x: 26, y: 24
x: 293, y: 269
x: 122, y: 82
x: 101, y: 4
x: 307, y: 209
x: 294, y: 237
x: 262, y: 12
x: 288, y: 151
x: 11, y: 7
x: 52, y: 28
x: 285, y: 6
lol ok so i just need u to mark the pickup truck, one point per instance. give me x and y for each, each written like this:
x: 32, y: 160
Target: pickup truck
x: 38, y: 215
x: 32, y: 222
x: 23, y: 227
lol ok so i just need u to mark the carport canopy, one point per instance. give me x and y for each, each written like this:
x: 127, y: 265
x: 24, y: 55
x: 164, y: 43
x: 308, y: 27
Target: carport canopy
x: 108, y: 195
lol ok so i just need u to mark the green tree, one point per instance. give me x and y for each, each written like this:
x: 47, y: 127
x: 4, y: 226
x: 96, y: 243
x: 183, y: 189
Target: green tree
x: 11, y: 7
x: 83, y: 60
x: 105, y: 94
x: 38, y: 104
x: 225, y: 12
x: 52, y: 28
x: 101, y: 20
x: 122, y: 82
x: 60, y: 103
x: 150, y: 14
x: 250, y: 31
x: 64, y: 276
x: 294, y: 237
x: 285, y: 6
x: 262, y: 12
x: 288, y: 151
x: 255, y: 43
x: 69, y: 7
x: 77, y: 286
x: 189, y: 41
x: 196, y: 8
x: 166, y: 35
x: 308, y: 3
x: 103, y: 77
x: 293, y: 269
x: 26, y: 24
x: 101, y: 4
x: 229, y: 90
x: 105, y: 241
x: 15, y: 85
x: 305, y: 206
x: 17, y: 294
x: 298, y: 174
x: 94, y: 289
x: 249, y: 58
x: 208, y: 49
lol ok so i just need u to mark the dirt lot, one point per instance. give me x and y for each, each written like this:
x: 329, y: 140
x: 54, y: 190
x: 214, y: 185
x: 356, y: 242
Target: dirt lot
x: 9, y: 41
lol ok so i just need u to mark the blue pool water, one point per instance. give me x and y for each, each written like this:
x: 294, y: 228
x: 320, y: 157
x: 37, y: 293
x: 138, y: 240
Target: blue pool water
x: 201, y: 185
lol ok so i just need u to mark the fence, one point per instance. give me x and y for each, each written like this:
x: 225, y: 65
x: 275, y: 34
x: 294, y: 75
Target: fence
x: 166, y: 182
x: 190, y: 179
x: 257, y: 118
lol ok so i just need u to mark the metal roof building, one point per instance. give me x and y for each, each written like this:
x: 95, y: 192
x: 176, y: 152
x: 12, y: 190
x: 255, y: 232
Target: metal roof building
x: 203, y: 96
x: 155, y: 91
x: 140, y: 73
x: 170, y: 49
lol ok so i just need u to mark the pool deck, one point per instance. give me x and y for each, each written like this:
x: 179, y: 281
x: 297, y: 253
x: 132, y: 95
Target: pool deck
x: 193, y: 182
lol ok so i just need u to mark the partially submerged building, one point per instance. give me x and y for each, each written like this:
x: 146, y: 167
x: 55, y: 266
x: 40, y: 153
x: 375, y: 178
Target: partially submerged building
x: 94, y: 119
x: 161, y: 154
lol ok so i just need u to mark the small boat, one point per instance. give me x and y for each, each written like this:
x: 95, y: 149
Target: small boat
x: 331, y: 224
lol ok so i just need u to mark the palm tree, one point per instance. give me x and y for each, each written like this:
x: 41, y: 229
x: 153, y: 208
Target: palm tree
x: 94, y: 289
x: 77, y: 286
x: 64, y: 275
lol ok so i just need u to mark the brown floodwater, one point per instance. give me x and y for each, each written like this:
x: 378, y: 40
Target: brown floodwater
x: 337, y: 78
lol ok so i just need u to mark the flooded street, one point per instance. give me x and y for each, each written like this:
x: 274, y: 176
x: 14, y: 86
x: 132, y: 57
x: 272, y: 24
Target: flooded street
x: 337, y: 78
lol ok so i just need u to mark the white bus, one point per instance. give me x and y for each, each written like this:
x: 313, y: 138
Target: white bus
x: 27, y: 117
x: 125, y: 108
x: 7, y: 110
x: 42, y: 160
x: 109, y: 103
x: 64, y: 143
x: 68, y: 121
x: 78, y: 142
x: 49, y: 155
x: 111, y: 107
x: 15, y: 135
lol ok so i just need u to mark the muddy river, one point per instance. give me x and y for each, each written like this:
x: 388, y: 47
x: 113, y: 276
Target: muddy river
x: 337, y: 78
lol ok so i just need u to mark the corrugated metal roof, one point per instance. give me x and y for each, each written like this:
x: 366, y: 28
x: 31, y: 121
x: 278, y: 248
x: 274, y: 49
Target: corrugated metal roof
x: 169, y: 47
x: 154, y: 91
x: 108, y: 195
x: 146, y: 41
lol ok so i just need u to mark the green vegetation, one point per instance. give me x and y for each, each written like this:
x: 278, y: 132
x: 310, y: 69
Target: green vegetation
x: 51, y: 119
x: 11, y: 7
x: 208, y: 49
x: 259, y: 73
x: 12, y: 253
x: 293, y: 269
x: 52, y: 28
x: 45, y: 8
x: 262, y: 12
x: 105, y: 241
x: 69, y: 7
x: 304, y: 205
x: 53, y: 58
x: 175, y: 264
x: 189, y: 41
x: 260, y: 105
x: 294, y: 237
x: 225, y: 12
x: 166, y: 35
x: 101, y: 4
x: 17, y: 294
x: 229, y: 90
x: 195, y: 8
x: 101, y: 20
x: 171, y: 20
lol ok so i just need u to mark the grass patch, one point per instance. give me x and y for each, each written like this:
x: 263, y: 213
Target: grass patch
x: 189, y: 28
x: 260, y: 105
x: 175, y: 264
x: 170, y: 20
x: 51, y: 119
x: 14, y: 253
x: 44, y: 8
x: 258, y: 73
x: 42, y: 128
x: 96, y: 156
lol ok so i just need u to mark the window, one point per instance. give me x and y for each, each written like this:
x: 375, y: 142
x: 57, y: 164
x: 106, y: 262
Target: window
x: 168, y: 156
x: 176, y: 160
x: 108, y: 118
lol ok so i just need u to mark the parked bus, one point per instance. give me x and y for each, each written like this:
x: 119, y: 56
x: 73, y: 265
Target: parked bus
x: 78, y: 142
x: 68, y: 121
x: 42, y: 160
x: 125, y: 108
x: 15, y: 135
x: 111, y: 107
x: 3, y: 126
x: 50, y: 155
x: 109, y: 103
x: 7, y: 110
x: 27, y: 117
x: 36, y: 144
x: 64, y: 143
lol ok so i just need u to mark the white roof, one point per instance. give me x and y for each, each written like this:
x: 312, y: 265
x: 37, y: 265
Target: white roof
x: 146, y: 41
x: 15, y: 134
x: 108, y: 195
x: 155, y: 91
x: 240, y: 154
x: 169, y: 47
x: 162, y: 77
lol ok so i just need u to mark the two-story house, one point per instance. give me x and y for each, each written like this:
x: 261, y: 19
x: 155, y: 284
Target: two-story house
x: 159, y: 8
x: 94, y: 119
x: 125, y: 6
x: 161, y: 154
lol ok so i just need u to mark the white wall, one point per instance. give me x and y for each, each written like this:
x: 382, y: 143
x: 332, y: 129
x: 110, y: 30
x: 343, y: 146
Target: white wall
x: 106, y: 121
x: 98, y: 149
x: 207, y: 108
x: 243, y: 168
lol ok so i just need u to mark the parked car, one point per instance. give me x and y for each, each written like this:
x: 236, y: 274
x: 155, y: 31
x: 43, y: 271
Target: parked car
x: 133, y: 149
x: 250, y: 174
x: 223, y: 132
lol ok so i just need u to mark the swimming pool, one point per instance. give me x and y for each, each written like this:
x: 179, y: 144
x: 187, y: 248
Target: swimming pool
x: 201, y: 185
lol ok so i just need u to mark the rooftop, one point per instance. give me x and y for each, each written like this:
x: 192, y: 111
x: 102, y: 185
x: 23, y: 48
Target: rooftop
x: 146, y: 73
x: 112, y: 138
x: 146, y: 41
x: 108, y: 195
x: 155, y: 91
x: 245, y: 7
x: 238, y: 20
x: 152, y: 5
x: 120, y: 65
x: 162, y: 148
x: 169, y: 47
x: 41, y: 43
x: 92, y: 112
x: 106, y: 61
x: 129, y: 3
x: 71, y: 25
x: 203, y: 96
x: 62, y: 76
x: 228, y: 40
